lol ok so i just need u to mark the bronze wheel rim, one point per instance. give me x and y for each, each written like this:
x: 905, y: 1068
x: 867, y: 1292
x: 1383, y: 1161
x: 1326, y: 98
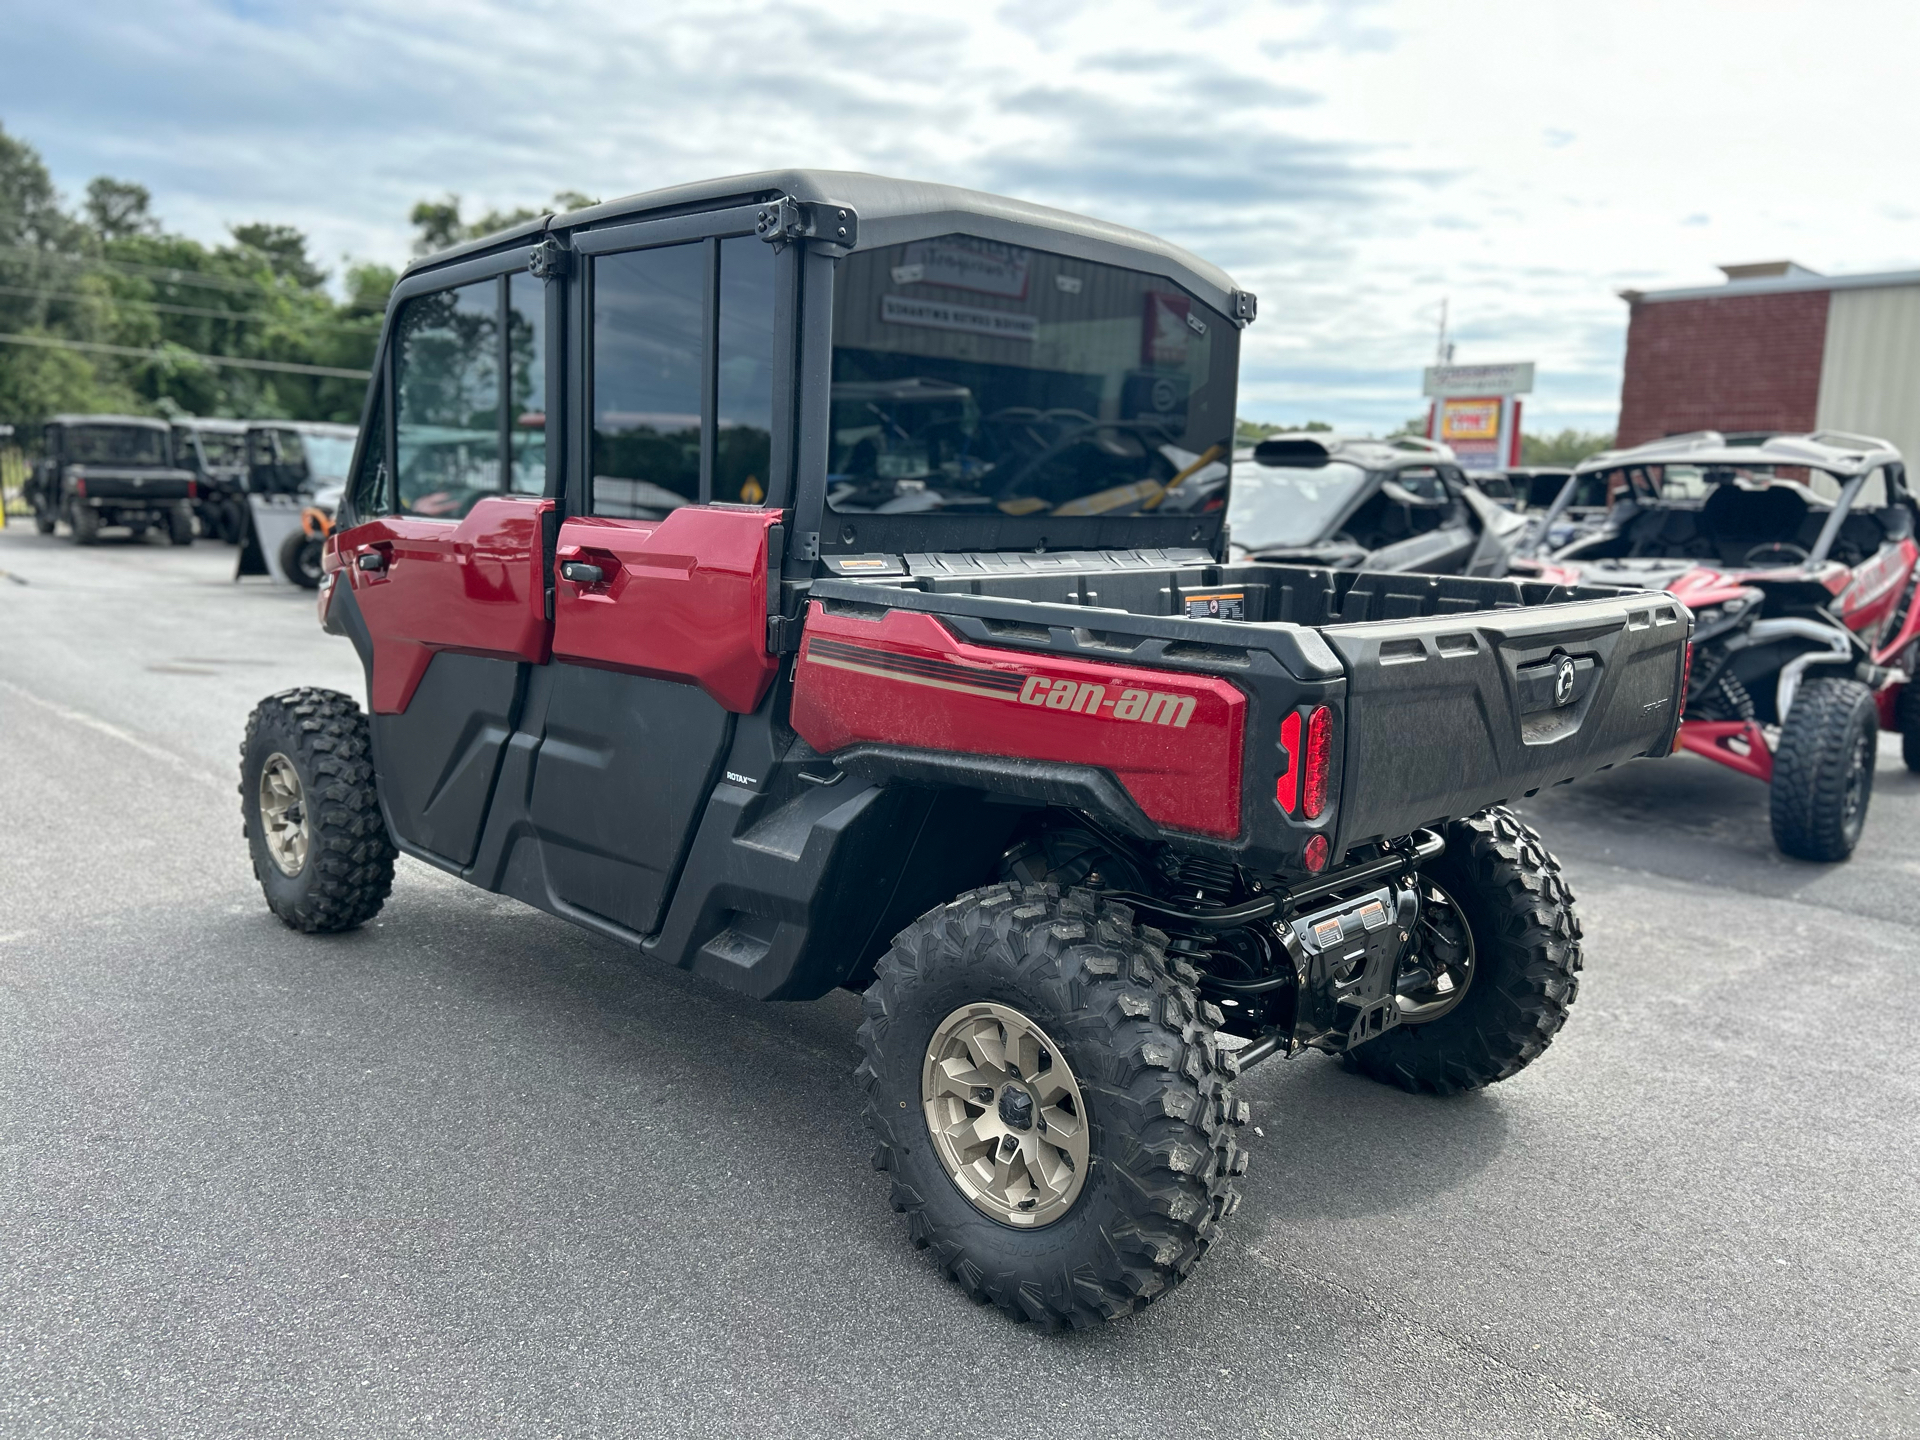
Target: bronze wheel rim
x: 283, y: 815
x: 1005, y: 1114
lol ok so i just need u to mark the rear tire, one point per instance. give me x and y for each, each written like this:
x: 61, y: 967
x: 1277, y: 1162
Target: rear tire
x: 1906, y: 714
x: 311, y: 812
x: 180, y: 525
x: 44, y: 520
x: 85, y: 521
x: 300, y: 559
x: 1526, y: 963
x: 1823, y: 770
x: 1131, y: 1033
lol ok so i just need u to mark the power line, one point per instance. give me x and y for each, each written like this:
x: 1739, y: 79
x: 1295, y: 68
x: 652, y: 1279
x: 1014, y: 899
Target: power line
x: 51, y: 343
x: 199, y: 310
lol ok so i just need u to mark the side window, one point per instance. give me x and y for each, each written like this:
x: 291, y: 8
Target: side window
x: 743, y: 442
x: 447, y: 380
x: 372, y: 495
x: 527, y: 383
x: 183, y: 456
x: 648, y: 344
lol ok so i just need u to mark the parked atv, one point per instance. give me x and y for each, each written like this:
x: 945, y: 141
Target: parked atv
x: 307, y: 461
x: 216, y: 452
x: 1797, y: 555
x: 1400, y: 505
x: 1095, y: 817
x: 102, y: 470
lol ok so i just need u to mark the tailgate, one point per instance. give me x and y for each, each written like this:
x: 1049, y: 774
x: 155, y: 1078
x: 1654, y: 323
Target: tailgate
x: 156, y: 486
x: 1449, y: 714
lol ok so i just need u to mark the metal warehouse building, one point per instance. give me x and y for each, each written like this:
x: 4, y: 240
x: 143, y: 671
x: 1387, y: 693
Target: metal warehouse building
x: 1778, y: 347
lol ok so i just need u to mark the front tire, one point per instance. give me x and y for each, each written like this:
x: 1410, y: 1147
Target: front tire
x: 1029, y: 1230
x: 300, y: 559
x: 312, y: 817
x: 44, y: 520
x: 1524, y: 969
x: 1823, y: 770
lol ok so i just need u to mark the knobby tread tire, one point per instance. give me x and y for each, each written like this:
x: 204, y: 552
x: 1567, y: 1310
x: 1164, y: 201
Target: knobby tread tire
x: 180, y: 525
x: 349, y: 869
x: 1526, y: 964
x: 1157, y: 1085
x: 1808, y: 795
x: 1906, y: 715
x: 84, y: 521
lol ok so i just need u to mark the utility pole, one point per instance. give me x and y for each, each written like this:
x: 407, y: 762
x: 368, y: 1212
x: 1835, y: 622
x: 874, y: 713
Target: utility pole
x: 1443, y: 347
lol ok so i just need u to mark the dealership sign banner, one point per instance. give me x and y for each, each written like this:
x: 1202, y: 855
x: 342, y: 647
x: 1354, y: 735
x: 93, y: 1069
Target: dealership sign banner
x: 1476, y: 411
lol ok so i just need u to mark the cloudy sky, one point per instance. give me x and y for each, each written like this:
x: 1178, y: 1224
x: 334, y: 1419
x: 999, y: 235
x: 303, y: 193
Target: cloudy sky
x: 1355, y: 164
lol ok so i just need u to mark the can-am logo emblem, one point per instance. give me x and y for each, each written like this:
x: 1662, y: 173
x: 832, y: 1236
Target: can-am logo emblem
x: 1563, y: 681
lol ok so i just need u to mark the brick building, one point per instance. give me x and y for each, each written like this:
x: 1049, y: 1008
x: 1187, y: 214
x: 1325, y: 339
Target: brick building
x: 1778, y: 347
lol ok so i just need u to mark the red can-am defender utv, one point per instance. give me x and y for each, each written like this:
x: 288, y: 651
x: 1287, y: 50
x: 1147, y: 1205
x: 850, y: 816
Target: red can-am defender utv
x: 794, y: 577
x: 1797, y: 555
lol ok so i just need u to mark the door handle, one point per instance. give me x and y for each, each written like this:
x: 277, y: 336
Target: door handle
x: 371, y: 560
x: 581, y: 573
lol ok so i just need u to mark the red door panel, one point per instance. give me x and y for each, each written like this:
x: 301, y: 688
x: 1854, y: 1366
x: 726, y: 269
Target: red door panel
x: 1173, y: 740
x: 1876, y: 586
x: 684, y: 598
x: 477, y: 586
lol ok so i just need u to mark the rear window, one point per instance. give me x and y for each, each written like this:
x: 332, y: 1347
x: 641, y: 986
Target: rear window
x: 977, y: 377
x: 115, y: 445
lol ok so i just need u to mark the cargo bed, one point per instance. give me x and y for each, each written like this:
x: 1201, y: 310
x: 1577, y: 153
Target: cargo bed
x: 1448, y: 694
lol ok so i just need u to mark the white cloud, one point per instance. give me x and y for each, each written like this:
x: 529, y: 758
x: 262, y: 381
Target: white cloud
x: 1353, y: 163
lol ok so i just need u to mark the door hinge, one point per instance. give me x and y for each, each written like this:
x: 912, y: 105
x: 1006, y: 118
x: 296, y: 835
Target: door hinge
x: 781, y: 222
x: 783, y: 633
x: 1246, y: 305
x: 549, y: 260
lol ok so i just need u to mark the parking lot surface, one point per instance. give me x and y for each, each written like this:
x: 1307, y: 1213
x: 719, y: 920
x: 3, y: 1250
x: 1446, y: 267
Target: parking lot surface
x: 472, y: 1172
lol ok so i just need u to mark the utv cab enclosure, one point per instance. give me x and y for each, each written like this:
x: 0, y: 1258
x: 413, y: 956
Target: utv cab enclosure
x: 813, y: 580
x: 216, y: 452
x: 100, y: 470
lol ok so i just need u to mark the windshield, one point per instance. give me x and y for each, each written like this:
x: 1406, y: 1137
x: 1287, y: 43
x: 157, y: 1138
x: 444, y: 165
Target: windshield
x: 329, y: 456
x: 116, y: 445
x: 1281, y: 508
x: 223, y: 449
x: 974, y: 376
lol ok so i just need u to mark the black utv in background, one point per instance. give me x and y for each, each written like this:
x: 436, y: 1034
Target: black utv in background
x: 101, y: 470
x: 216, y: 452
x: 1399, y: 505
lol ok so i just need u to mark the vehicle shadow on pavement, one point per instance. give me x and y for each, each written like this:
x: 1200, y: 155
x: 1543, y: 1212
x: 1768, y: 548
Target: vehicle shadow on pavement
x: 1339, y: 1146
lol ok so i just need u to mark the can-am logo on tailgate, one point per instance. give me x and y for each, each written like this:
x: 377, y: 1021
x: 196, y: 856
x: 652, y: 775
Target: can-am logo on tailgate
x: 1148, y: 707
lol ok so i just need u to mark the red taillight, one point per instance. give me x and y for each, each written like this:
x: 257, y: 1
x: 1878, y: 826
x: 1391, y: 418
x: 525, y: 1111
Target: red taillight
x: 79, y: 484
x: 1313, y: 787
x: 193, y: 489
x: 1316, y: 854
x: 1286, y: 789
x: 1686, y: 679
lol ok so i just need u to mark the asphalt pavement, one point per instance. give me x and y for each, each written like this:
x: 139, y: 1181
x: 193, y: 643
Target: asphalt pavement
x: 472, y: 1172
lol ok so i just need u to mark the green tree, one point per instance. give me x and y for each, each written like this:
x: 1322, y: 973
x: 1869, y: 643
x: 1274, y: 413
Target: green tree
x: 1568, y: 447
x: 1252, y: 432
x: 119, y: 208
x: 439, y: 225
x: 285, y: 251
